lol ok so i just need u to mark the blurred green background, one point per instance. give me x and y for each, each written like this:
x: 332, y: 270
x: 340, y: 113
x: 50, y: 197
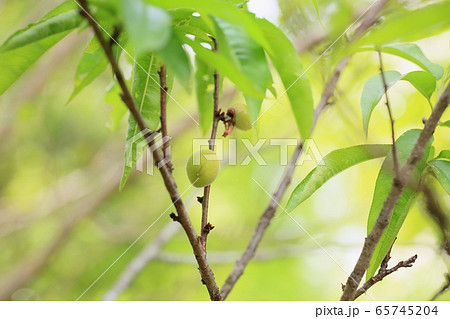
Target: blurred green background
x: 63, y: 221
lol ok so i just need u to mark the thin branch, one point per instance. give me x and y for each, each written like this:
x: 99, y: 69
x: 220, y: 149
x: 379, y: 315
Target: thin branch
x: 398, y: 185
x: 163, y: 116
x: 149, y: 253
x: 436, y: 212
x: 384, y: 272
x: 205, y: 226
x: 388, y: 106
x: 266, y: 217
x: 166, y: 173
x: 444, y: 288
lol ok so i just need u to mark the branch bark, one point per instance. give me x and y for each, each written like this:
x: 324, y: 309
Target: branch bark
x: 265, y: 219
x: 384, y: 272
x: 205, y: 226
x: 205, y: 271
x: 163, y: 116
x: 391, y: 201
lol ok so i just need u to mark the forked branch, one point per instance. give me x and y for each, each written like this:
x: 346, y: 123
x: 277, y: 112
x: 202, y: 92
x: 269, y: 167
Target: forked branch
x: 169, y: 182
x: 398, y: 185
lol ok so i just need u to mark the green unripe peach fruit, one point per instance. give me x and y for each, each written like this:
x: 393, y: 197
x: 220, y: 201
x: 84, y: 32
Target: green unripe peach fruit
x: 202, y: 168
x: 241, y: 117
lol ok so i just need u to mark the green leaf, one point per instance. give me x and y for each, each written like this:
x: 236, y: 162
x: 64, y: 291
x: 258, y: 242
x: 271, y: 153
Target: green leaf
x: 220, y: 9
x: 334, y: 163
x: 149, y: 27
x: 444, y: 154
x: 204, y: 81
x: 441, y: 169
x: 445, y: 124
x: 404, y: 145
x: 288, y: 65
x: 91, y: 65
x: 225, y: 67
x: 26, y: 46
x: 413, y: 53
x: 175, y: 58
x: 407, y: 26
x: 146, y: 92
x: 373, y: 89
x: 250, y: 58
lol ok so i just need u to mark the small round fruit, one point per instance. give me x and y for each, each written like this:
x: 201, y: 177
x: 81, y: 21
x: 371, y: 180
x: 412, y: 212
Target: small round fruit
x: 205, y: 170
x: 241, y: 117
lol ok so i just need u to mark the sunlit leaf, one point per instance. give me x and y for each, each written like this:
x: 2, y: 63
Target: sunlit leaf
x: 374, y: 89
x: 91, y: 65
x: 404, y: 145
x: 411, y: 25
x: 334, y: 163
x: 175, y: 58
x: 445, y: 124
x: 441, y: 169
x: 26, y: 46
x: 288, y: 65
x: 118, y: 108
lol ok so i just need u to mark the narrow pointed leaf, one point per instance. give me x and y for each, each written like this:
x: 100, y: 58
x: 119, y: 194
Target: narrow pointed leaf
x: 26, y: 46
x: 250, y: 58
x: 204, y: 80
x: 404, y: 144
x: 146, y: 92
x: 288, y: 65
x: 441, y: 169
x: 334, y: 163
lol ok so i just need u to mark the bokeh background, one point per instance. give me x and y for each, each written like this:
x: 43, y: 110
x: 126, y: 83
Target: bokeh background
x: 63, y: 221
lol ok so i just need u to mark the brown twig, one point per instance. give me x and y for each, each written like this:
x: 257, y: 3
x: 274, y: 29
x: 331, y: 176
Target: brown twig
x: 269, y: 212
x: 205, y: 226
x: 444, y: 288
x: 398, y: 185
x: 384, y: 272
x: 183, y: 218
x: 163, y: 116
x: 392, y: 121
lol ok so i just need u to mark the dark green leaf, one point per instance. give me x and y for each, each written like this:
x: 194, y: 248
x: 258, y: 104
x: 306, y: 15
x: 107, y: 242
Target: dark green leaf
x: 221, y: 10
x: 26, y: 46
x: 404, y: 144
x: 441, y: 169
x: 334, y: 163
x: 445, y: 124
x: 287, y: 62
x: 225, y: 67
x: 249, y: 56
